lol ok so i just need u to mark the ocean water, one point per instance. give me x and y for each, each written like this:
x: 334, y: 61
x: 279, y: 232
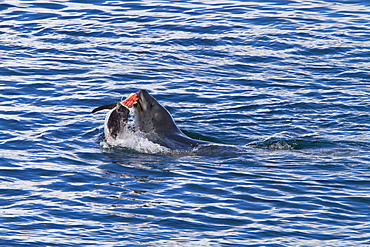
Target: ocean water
x: 283, y: 85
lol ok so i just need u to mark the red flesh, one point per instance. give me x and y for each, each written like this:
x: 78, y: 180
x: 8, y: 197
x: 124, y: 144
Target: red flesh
x: 130, y: 100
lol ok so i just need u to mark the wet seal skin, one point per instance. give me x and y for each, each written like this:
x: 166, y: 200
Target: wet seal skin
x: 158, y: 125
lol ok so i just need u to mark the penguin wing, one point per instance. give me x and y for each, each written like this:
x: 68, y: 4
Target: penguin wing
x: 104, y: 107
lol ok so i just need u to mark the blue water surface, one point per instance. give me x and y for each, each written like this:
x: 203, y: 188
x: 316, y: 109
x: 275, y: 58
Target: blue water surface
x: 285, y: 85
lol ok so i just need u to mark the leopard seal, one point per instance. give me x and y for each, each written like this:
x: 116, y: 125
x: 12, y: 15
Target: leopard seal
x: 151, y: 119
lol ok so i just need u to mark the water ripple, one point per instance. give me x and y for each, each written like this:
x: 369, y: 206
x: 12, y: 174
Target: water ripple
x: 286, y: 81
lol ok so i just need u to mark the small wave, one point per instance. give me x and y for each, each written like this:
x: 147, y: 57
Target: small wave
x: 276, y: 145
x: 334, y: 152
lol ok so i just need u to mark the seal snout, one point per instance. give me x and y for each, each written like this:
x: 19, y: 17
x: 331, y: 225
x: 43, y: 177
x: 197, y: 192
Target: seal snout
x: 143, y: 100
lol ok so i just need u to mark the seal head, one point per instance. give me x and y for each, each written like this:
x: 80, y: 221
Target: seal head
x: 158, y: 125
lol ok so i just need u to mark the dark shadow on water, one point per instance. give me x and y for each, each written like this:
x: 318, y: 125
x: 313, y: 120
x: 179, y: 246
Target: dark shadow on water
x: 308, y: 145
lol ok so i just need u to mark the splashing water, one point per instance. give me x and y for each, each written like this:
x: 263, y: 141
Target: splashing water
x: 135, y: 141
x: 131, y: 139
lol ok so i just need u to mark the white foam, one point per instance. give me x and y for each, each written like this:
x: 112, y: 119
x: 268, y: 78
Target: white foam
x: 130, y: 139
x: 134, y: 141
